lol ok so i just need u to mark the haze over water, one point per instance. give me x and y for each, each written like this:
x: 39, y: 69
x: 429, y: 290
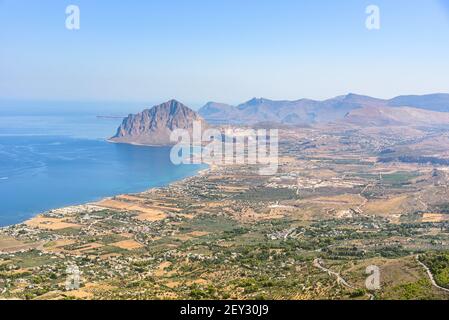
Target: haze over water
x: 54, y: 160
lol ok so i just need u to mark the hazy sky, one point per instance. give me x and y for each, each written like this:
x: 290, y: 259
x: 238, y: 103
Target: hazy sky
x: 221, y: 50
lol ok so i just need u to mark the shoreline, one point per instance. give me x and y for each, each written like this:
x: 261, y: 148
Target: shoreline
x: 29, y: 221
x: 139, y: 144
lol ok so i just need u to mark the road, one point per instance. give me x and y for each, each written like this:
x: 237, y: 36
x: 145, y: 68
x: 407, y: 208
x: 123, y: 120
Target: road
x: 340, y: 280
x: 429, y: 273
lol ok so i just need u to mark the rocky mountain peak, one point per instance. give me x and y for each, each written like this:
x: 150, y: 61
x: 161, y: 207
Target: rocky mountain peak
x: 154, y: 126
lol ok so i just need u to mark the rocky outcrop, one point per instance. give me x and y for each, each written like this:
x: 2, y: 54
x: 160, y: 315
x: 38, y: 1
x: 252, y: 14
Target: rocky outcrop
x: 154, y: 126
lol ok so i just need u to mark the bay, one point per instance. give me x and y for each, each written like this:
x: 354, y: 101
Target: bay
x: 49, y: 162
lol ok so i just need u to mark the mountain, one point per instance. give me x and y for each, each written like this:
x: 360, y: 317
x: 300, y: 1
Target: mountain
x: 217, y: 112
x: 298, y: 112
x: 154, y: 126
x: 432, y: 102
x: 383, y: 116
x: 265, y: 110
x: 306, y: 111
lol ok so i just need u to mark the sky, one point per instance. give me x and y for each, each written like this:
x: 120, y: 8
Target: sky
x: 221, y: 50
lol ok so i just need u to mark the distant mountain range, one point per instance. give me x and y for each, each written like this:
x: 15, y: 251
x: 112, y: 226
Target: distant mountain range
x: 396, y: 116
x: 306, y: 111
x: 154, y: 126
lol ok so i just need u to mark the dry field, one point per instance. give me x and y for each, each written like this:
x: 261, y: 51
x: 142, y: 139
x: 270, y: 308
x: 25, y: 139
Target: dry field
x: 435, y: 217
x: 9, y: 244
x: 127, y: 244
x: 386, y: 207
x: 41, y: 222
x: 144, y: 213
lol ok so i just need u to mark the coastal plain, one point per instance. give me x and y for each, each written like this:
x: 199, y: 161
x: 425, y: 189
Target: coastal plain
x: 344, y: 198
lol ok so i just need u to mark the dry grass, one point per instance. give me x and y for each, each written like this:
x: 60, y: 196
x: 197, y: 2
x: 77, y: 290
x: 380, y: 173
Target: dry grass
x: 248, y: 215
x: 161, y: 272
x: 435, y: 217
x: 87, y: 247
x: 8, y: 244
x: 50, y: 223
x: 323, y: 174
x: 57, y: 246
x: 340, y: 200
x: 393, y: 271
x: 152, y: 215
x: 128, y: 244
x: 108, y: 256
x: 386, y: 207
x: 191, y: 235
x: 146, y: 214
x: 89, y: 290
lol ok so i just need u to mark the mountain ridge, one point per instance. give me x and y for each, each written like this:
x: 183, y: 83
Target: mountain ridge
x: 308, y: 111
x: 153, y: 126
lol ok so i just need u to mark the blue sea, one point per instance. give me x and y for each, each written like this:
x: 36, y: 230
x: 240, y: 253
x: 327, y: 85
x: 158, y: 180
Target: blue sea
x: 54, y: 159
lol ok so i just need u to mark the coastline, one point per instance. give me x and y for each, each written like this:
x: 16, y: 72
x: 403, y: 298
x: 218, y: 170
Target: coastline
x: 139, y: 144
x: 32, y: 220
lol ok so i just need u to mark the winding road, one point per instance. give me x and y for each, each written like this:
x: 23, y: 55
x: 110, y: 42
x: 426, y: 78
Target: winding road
x: 340, y: 280
x: 317, y: 264
x: 429, y: 273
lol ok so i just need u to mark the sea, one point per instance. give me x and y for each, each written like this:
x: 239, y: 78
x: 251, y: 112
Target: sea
x: 54, y: 155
